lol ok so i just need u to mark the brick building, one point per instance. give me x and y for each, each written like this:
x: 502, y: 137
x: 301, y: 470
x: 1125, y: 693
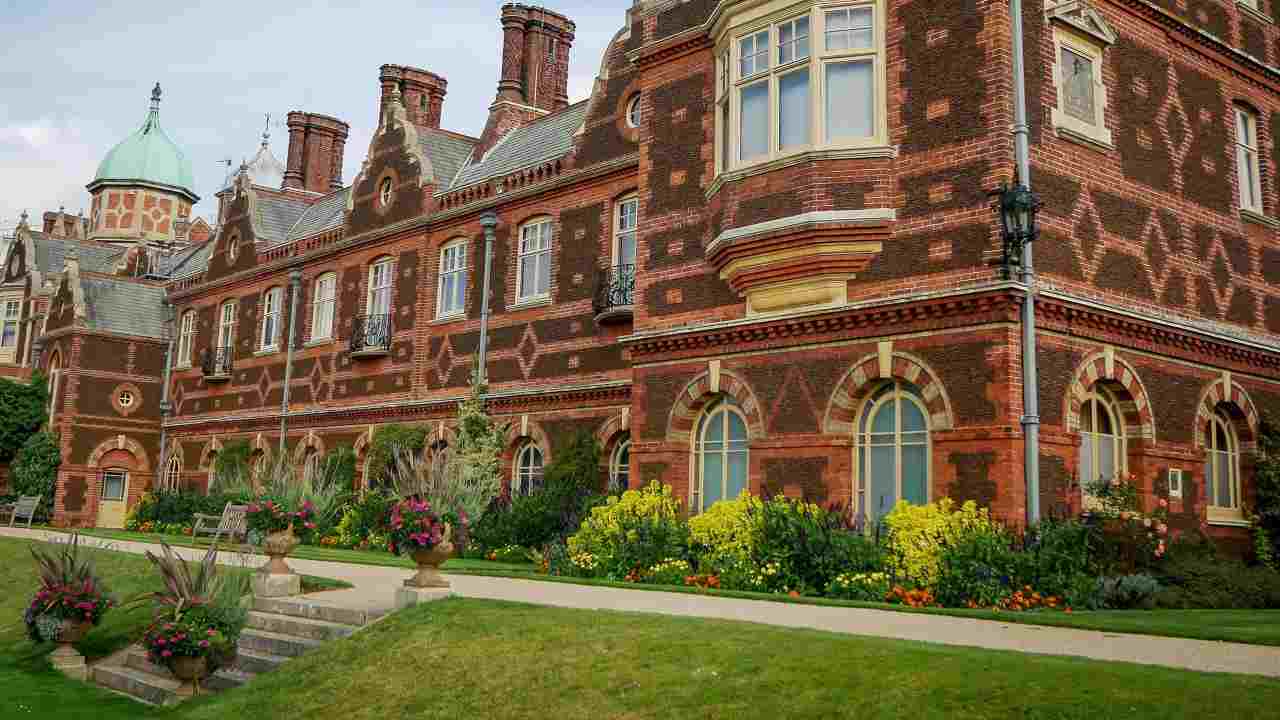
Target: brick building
x: 759, y: 255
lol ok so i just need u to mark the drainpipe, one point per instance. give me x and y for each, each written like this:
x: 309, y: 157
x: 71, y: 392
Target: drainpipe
x: 295, y: 285
x: 1030, y: 376
x: 488, y: 221
x: 165, y: 407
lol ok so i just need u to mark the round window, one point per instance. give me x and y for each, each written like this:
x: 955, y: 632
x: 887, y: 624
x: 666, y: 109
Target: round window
x: 633, y: 111
x: 384, y: 192
x: 126, y: 398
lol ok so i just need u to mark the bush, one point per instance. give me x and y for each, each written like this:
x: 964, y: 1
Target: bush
x: 671, y: 571
x: 633, y: 532
x: 35, y: 470
x: 387, y: 441
x: 362, y: 519
x: 865, y: 586
x: 918, y: 534
x: 1127, y: 592
x: 176, y: 507
x: 1057, y: 560
x: 1193, y: 580
x: 804, y: 547
x: 727, y: 529
x: 24, y: 413
x: 977, y: 569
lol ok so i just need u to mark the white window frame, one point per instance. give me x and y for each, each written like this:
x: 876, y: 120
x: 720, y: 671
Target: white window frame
x: 323, y: 303
x: 186, y: 336
x: 124, y: 484
x: 620, y: 471
x: 634, y: 116
x: 768, y: 19
x: 1216, y: 474
x: 717, y: 411
x: 55, y: 377
x: 527, y: 475
x: 173, y: 473
x: 1248, y: 174
x: 227, y: 325
x: 865, y: 440
x: 626, y: 222
x: 10, y: 326
x: 452, y: 277
x: 1092, y: 50
x: 1103, y: 401
x: 269, y: 339
x: 534, y: 246
x: 382, y: 275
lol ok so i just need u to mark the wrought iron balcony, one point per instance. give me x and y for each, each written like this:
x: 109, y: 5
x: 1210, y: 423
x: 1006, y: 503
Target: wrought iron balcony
x: 371, y: 336
x: 216, y: 364
x: 615, y: 293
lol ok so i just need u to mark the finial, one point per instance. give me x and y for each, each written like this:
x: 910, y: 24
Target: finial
x: 266, y: 131
x: 62, y: 209
x: 155, y: 98
x: 22, y: 219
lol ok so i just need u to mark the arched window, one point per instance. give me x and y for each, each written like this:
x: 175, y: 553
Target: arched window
x: 721, y: 454
x: 322, y: 307
x: 620, y: 467
x: 186, y: 334
x: 173, y: 474
x: 893, y: 453
x: 633, y: 111
x: 55, y: 376
x: 1222, y: 462
x: 1102, y: 438
x: 528, y: 471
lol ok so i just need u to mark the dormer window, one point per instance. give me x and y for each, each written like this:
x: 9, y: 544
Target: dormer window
x: 810, y: 82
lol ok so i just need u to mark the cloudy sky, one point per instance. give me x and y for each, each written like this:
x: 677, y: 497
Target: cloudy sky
x: 77, y: 77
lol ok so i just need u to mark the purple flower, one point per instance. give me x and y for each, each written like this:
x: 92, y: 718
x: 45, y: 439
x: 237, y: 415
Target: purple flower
x: 204, y: 643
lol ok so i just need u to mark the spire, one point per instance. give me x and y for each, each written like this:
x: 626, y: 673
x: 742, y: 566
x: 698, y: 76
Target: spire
x: 153, y: 117
x: 155, y: 98
x: 266, y: 132
x: 22, y: 220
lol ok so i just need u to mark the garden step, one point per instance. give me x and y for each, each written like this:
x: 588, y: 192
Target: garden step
x: 299, y: 626
x: 294, y: 607
x: 228, y: 678
x: 139, y: 684
x: 256, y: 663
x: 265, y: 641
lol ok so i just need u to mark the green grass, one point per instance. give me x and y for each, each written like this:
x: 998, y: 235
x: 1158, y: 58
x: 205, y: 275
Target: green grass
x: 1257, y: 627
x: 29, y: 685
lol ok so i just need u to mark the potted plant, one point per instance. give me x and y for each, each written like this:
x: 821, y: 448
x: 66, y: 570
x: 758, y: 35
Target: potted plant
x: 198, y: 619
x: 415, y: 529
x: 275, y: 522
x: 71, y: 599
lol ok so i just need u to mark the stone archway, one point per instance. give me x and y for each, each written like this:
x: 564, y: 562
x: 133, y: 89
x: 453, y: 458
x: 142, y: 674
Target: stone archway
x: 869, y: 373
x: 1235, y: 399
x: 1135, y: 404
x: 705, y: 388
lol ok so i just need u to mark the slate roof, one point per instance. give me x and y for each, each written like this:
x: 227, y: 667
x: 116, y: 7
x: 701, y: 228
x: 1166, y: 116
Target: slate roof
x: 124, y: 306
x: 447, y: 152
x: 275, y: 215
x: 325, y: 214
x: 186, y: 262
x: 541, y: 140
x: 51, y: 254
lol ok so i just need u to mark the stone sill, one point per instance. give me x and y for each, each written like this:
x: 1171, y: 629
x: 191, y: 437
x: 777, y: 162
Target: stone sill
x: 1254, y: 216
x: 760, y: 167
x: 318, y: 342
x: 450, y: 318
x: 265, y: 352
x: 532, y: 303
x: 1079, y: 138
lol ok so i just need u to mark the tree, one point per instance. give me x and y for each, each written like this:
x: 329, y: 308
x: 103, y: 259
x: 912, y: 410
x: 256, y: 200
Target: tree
x: 24, y: 413
x: 1267, y: 486
x: 476, y: 455
x: 35, y: 470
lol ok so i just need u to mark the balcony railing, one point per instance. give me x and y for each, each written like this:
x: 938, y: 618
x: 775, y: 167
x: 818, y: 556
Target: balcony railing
x: 371, y: 336
x: 216, y: 364
x: 615, y: 293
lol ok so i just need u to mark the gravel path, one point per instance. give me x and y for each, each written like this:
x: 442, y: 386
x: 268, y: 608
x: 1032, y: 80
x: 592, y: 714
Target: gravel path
x: 375, y: 587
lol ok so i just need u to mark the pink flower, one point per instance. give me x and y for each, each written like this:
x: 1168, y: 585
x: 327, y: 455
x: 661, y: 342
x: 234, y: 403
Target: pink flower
x: 1162, y: 529
x: 204, y: 643
x: 166, y: 653
x: 1164, y: 503
x: 160, y: 641
x: 212, y: 632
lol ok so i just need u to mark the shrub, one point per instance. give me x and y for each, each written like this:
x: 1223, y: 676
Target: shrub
x: 231, y: 468
x: 387, y: 441
x: 512, y: 554
x: 1266, y: 481
x: 865, y: 586
x: 979, y: 568
x: 24, y: 413
x: 35, y: 469
x: 808, y: 546
x: 671, y: 571
x: 362, y: 518
x: 1193, y: 580
x: 1127, y: 592
x: 635, y: 531
x: 176, y: 507
x: 1057, y: 560
x: 727, y: 529
x: 918, y: 534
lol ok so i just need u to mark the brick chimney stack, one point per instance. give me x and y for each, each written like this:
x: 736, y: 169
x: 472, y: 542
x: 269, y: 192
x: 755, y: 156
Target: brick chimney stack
x: 421, y: 91
x: 316, y: 145
x: 535, y: 69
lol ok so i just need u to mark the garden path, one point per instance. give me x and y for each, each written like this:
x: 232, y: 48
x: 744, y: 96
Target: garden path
x: 374, y: 589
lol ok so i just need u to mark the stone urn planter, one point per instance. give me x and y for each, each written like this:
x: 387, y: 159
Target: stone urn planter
x: 429, y: 561
x: 65, y: 657
x: 191, y: 671
x: 278, y: 546
x: 73, y: 631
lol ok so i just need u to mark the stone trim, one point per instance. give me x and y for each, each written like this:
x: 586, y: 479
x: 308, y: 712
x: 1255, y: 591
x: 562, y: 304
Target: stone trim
x: 699, y: 391
x: 1107, y: 366
x: 819, y: 217
x: 866, y: 375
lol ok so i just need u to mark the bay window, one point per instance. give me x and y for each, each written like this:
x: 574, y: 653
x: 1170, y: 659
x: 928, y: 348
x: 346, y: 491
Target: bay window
x: 795, y: 83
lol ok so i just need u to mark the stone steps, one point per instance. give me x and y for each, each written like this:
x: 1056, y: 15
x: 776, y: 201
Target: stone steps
x: 277, y: 630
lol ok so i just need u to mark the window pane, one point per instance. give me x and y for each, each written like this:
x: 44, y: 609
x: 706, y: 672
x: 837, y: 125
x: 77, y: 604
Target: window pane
x: 528, y: 277
x: 850, y: 100
x: 726, y: 153
x: 1077, y: 86
x: 1086, y: 459
x: 1106, y: 458
x: 712, y: 477
x: 627, y: 249
x: 912, y: 418
x: 883, y: 481
x: 838, y: 30
x: 755, y: 121
x: 1222, y: 479
x: 715, y: 429
x: 793, y: 120
x: 860, y: 24
x: 736, y: 480
x: 915, y: 474
x: 113, y: 486
x: 737, y: 428
x: 885, y: 419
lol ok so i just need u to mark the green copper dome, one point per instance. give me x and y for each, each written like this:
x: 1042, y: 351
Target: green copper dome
x: 147, y: 157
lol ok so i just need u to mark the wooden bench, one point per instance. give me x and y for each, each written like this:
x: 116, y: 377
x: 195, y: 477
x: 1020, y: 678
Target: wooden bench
x: 230, y: 523
x: 26, y: 507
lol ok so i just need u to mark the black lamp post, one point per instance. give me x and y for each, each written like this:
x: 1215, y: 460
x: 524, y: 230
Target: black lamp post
x: 1018, y: 207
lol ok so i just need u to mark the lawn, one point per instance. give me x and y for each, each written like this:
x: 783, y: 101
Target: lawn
x: 29, y: 684
x: 479, y: 658
x: 1258, y: 627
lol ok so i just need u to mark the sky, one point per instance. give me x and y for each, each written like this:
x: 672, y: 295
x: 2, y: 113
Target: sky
x: 77, y: 76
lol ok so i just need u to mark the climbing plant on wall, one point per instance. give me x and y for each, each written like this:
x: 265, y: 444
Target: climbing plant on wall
x: 24, y: 406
